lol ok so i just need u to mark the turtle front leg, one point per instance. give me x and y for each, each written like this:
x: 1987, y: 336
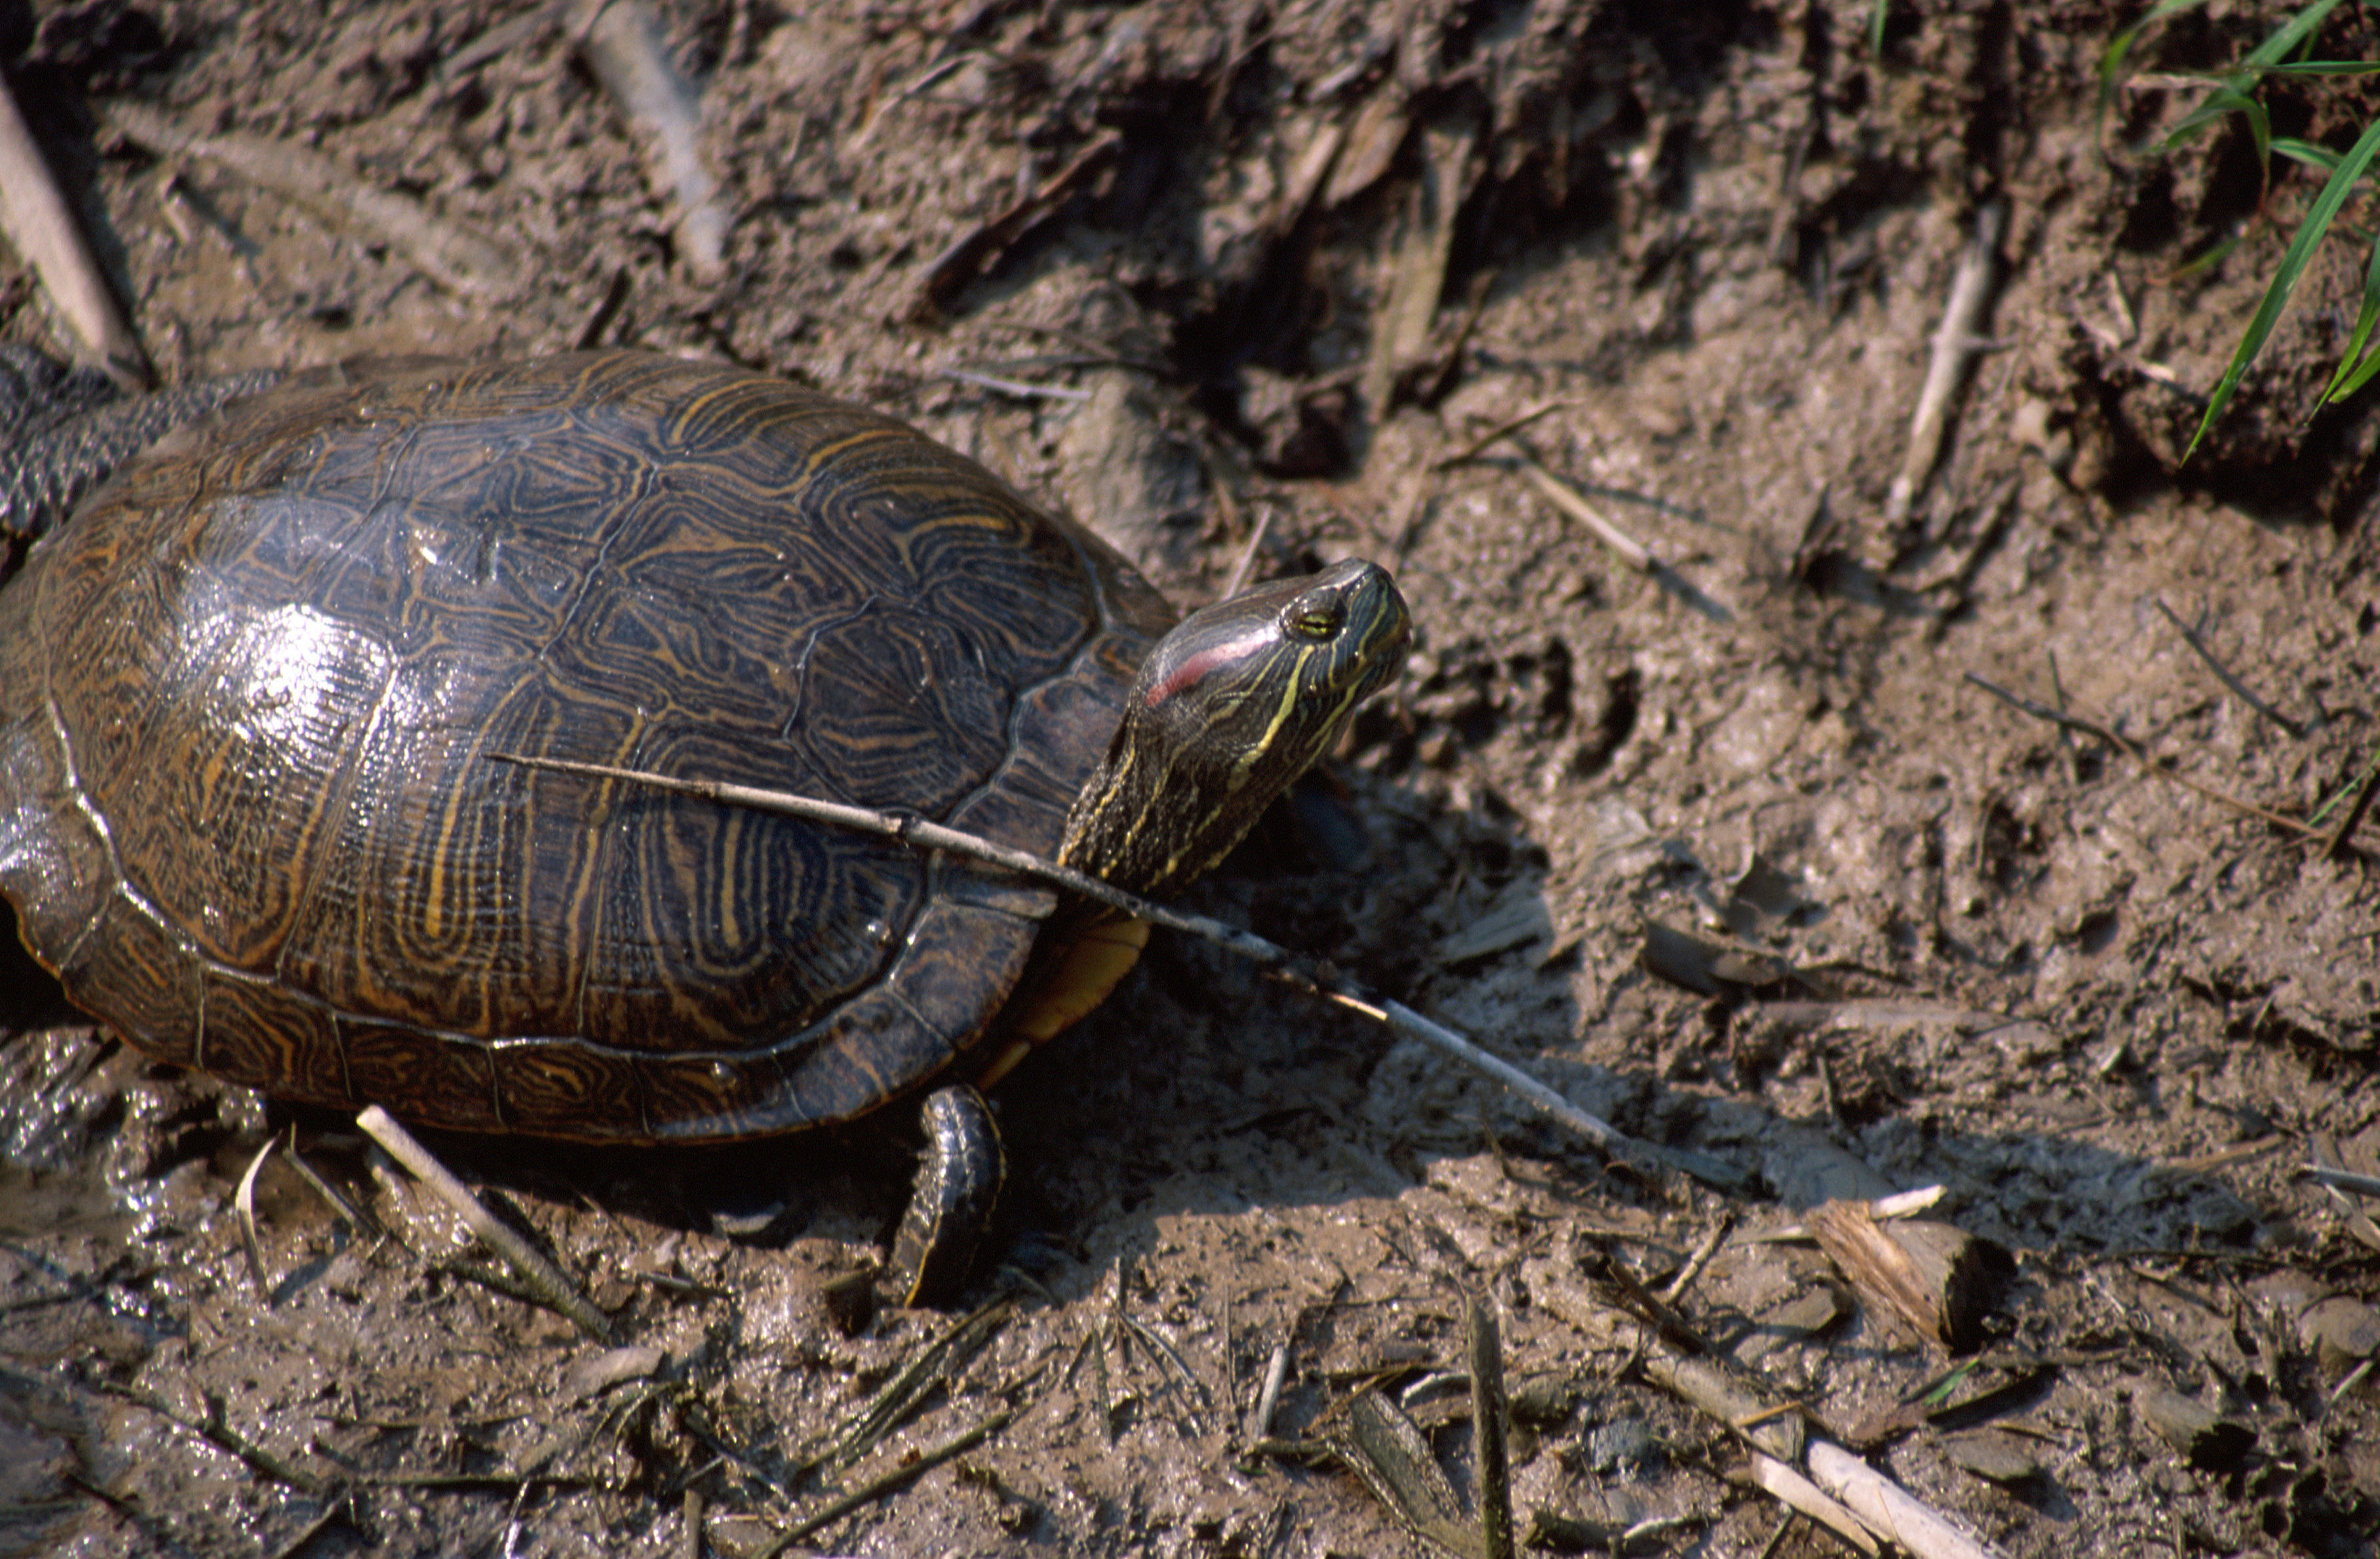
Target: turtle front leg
x: 63, y: 432
x: 959, y: 1177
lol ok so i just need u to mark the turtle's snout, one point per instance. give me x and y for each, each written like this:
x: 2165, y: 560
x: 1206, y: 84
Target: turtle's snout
x: 1357, y: 604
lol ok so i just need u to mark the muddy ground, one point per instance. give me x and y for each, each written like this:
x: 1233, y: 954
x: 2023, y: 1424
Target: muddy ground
x: 1263, y: 271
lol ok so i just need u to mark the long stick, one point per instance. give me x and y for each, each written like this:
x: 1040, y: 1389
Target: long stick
x: 1279, y: 960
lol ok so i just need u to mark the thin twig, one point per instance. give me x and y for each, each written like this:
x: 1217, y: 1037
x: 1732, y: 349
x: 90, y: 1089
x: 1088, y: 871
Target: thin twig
x: 507, y: 1479
x: 1559, y: 493
x: 1957, y: 342
x: 1679, y: 1286
x: 340, y: 1204
x: 2344, y: 1179
x: 217, y: 1431
x: 1284, y: 965
x: 1472, y: 450
x: 901, y: 1397
x: 2065, y: 733
x: 918, y: 83
x: 2336, y: 848
x: 545, y: 1279
x: 885, y: 1482
x: 1407, y: 530
x: 955, y: 266
x: 1094, y: 353
x: 1564, y: 497
x: 1153, y: 1340
x: 1604, y: 1135
x: 916, y: 831
x: 1247, y: 560
x: 2223, y: 674
x: 2093, y: 728
x: 1015, y: 386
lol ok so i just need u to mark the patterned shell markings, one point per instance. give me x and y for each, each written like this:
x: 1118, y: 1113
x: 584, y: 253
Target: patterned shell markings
x: 261, y: 833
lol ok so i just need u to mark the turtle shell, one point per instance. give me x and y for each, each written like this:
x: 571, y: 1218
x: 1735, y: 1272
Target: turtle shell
x: 251, y: 692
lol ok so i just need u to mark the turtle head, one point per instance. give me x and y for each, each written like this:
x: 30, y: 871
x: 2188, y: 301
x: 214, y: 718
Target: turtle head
x: 1227, y: 710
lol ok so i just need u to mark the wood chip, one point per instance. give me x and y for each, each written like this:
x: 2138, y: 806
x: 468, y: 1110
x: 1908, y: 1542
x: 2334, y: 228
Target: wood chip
x: 1373, y: 142
x: 600, y: 1372
x: 1933, y: 1278
x: 1704, y: 963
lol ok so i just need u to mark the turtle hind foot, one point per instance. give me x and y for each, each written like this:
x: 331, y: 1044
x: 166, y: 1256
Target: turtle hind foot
x: 959, y: 1177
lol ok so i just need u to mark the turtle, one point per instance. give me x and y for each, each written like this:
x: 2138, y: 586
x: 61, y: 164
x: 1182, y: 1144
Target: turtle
x: 254, y: 689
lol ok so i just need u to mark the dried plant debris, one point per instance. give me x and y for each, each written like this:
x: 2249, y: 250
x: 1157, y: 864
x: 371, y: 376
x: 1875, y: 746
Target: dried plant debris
x: 622, y: 43
x: 450, y: 253
x: 38, y: 222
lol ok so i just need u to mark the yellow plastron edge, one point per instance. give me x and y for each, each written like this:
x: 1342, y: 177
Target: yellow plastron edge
x: 1078, y: 980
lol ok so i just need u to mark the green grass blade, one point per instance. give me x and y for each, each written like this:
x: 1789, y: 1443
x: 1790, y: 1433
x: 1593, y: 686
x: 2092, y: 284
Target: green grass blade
x: 2350, y: 788
x: 2354, y: 367
x: 2268, y: 55
x: 2284, y: 280
x: 2357, y: 380
x: 2306, y: 151
x: 2220, y: 103
x: 2273, y: 50
x: 2112, y: 61
x: 2215, y: 254
x: 2326, y: 67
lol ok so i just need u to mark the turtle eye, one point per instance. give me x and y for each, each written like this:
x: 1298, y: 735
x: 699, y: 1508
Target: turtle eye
x: 1315, y: 617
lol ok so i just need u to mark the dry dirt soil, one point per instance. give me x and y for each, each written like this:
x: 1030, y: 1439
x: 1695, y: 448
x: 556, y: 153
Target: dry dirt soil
x: 1740, y: 853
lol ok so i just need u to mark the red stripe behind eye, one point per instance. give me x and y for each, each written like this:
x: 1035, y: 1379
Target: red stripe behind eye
x: 1195, y: 668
